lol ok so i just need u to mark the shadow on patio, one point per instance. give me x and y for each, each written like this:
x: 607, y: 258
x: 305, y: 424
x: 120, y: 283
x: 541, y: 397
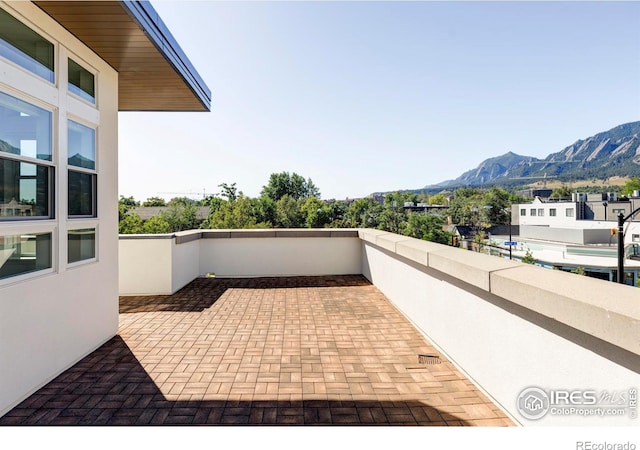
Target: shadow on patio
x: 272, y: 351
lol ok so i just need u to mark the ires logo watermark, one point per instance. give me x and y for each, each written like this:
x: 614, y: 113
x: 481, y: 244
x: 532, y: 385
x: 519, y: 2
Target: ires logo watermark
x: 534, y: 403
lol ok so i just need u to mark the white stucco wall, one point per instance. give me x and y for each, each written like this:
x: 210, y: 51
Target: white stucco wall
x: 255, y: 257
x: 50, y: 320
x: 145, y: 266
x: 164, y: 265
x: 500, y: 351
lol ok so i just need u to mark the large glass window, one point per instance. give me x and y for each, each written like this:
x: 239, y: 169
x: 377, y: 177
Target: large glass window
x: 25, y: 190
x: 25, y: 137
x: 81, y: 244
x: 25, y: 129
x: 20, y: 254
x: 81, y: 82
x: 25, y: 47
x: 82, y: 146
x: 83, y: 180
x: 82, y: 194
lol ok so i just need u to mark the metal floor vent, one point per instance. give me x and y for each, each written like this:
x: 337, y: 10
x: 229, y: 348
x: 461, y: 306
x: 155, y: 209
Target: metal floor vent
x: 429, y: 359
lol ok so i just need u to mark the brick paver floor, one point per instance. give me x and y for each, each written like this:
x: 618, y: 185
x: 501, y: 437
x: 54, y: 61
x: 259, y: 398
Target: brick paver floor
x: 281, y: 351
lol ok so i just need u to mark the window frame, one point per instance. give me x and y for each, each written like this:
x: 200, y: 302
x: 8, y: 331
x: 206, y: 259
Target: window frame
x: 36, y: 228
x: 24, y: 68
x: 80, y: 62
x: 49, y: 164
x: 78, y: 226
x: 85, y: 171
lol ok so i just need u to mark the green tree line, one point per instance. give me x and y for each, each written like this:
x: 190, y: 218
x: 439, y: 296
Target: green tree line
x: 291, y: 201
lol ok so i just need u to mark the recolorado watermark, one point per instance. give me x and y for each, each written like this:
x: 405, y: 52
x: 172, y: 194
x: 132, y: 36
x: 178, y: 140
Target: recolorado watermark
x: 534, y: 403
x: 589, y: 445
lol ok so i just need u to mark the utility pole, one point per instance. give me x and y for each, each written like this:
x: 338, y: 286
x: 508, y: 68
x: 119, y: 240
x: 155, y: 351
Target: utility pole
x: 621, y: 220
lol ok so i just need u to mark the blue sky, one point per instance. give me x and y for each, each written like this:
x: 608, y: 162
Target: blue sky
x: 379, y: 96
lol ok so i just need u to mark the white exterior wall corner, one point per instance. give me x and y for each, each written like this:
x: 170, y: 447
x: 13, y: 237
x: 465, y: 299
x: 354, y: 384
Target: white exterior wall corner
x: 501, y: 351
x: 145, y: 266
x: 50, y: 322
x: 185, y: 264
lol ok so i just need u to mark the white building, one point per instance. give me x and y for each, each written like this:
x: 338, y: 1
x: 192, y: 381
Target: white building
x: 66, y: 69
x: 571, y: 222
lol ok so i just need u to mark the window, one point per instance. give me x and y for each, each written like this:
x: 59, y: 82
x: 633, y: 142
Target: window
x: 552, y: 212
x: 569, y: 212
x: 23, y: 46
x: 26, y: 170
x: 81, y: 245
x: 81, y: 81
x: 82, y: 175
x: 532, y: 212
x: 20, y: 254
x: 82, y: 194
x: 81, y: 146
x: 523, y: 212
x: 541, y: 212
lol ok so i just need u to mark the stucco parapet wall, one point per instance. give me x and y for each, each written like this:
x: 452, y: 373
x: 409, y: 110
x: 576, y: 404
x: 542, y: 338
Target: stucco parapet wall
x: 605, y: 310
x: 280, y: 233
x: 183, y: 237
x: 131, y: 237
x: 608, y: 311
x: 471, y: 267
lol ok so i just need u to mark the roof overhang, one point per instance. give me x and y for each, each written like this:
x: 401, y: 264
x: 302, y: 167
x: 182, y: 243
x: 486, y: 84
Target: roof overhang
x: 154, y: 73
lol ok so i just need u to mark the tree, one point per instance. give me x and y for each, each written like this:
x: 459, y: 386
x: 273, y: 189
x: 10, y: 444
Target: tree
x: 579, y: 271
x: 632, y: 184
x: 156, y: 225
x: 181, y: 201
x: 229, y: 191
x: 528, y: 258
x: 362, y: 213
x: 128, y: 201
x: 293, y: 185
x: 465, y: 206
x: 288, y: 213
x: 154, y: 201
x: 130, y: 223
x: 496, y: 206
x: 428, y: 227
x: 316, y: 215
x: 235, y: 214
x: 561, y: 192
x: 438, y: 199
x: 181, y: 216
x: 124, y: 205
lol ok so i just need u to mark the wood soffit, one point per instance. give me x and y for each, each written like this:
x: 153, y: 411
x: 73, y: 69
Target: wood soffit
x: 150, y: 79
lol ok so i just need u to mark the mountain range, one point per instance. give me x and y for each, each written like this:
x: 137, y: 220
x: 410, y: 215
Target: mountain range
x: 610, y: 153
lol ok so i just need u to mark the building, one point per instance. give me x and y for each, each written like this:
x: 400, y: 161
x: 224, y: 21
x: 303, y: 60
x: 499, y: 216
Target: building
x: 586, y: 219
x: 66, y: 69
x: 580, y: 234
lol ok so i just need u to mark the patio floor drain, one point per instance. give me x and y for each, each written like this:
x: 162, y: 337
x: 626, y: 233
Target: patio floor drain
x: 429, y: 359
